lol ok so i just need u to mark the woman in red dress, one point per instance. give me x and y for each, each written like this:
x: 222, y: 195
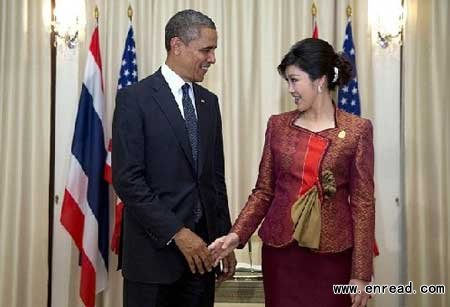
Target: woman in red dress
x: 315, y: 191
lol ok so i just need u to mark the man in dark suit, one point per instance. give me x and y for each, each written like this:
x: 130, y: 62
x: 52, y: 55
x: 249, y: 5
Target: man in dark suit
x: 168, y: 168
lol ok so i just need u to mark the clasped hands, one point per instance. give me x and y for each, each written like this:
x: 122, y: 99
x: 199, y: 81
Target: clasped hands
x: 202, y: 258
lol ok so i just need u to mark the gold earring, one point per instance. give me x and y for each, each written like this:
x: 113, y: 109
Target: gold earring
x: 319, y: 88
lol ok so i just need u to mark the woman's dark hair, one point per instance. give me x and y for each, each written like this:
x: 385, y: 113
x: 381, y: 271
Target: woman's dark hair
x: 316, y: 57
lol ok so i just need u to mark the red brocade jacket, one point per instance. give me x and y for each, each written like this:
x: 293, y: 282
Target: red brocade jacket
x: 292, y: 161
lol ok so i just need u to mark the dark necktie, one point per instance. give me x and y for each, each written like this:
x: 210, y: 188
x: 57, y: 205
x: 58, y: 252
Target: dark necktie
x: 192, y: 129
x: 191, y: 122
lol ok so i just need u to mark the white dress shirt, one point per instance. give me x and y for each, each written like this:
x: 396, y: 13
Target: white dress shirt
x: 175, y: 83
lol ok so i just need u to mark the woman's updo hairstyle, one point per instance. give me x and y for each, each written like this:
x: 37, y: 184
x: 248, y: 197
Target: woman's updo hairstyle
x: 316, y: 57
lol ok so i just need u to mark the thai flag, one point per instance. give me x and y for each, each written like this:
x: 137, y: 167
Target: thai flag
x: 85, y: 207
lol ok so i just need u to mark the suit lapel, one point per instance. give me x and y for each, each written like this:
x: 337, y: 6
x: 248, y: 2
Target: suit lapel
x: 168, y: 105
x: 204, y: 125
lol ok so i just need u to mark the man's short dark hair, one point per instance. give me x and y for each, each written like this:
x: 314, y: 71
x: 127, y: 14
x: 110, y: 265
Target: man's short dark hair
x: 186, y: 25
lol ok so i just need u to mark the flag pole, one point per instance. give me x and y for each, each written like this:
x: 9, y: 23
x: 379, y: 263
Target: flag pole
x: 349, y: 12
x: 315, y: 31
x: 313, y: 13
x: 96, y: 14
x: 130, y: 12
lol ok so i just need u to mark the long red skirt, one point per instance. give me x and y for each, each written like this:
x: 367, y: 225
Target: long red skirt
x: 297, y: 277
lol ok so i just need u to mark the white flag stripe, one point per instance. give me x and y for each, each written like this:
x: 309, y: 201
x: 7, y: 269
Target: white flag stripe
x: 93, y: 83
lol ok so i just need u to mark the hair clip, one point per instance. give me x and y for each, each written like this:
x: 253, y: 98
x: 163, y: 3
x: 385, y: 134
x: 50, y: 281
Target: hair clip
x: 336, y: 74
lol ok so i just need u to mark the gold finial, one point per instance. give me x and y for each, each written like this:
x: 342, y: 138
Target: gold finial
x: 96, y: 13
x: 349, y: 11
x: 314, y: 10
x: 130, y: 12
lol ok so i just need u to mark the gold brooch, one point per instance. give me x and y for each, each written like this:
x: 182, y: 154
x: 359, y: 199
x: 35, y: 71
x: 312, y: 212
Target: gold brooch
x: 341, y: 134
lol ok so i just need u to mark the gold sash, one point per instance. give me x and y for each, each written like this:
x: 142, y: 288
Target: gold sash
x: 306, y: 215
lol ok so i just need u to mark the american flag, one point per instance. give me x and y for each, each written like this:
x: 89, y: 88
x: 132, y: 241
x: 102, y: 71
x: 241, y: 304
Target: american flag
x: 348, y: 97
x: 128, y: 71
x: 85, y: 207
x: 128, y: 75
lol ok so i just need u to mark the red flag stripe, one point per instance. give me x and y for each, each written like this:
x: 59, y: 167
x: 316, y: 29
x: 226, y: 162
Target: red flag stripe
x: 73, y: 221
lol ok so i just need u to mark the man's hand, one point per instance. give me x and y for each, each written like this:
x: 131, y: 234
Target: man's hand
x: 228, y: 268
x: 361, y: 299
x: 223, y: 246
x: 194, y: 250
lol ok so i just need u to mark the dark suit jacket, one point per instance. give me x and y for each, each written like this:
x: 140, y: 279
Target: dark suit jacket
x: 154, y: 176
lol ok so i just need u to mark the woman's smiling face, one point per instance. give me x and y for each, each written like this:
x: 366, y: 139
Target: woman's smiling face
x: 301, y: 87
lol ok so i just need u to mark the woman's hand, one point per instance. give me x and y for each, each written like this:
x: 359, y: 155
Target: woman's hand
x: 361, y: 298
x: 223, y: 246
x: 228, y: 268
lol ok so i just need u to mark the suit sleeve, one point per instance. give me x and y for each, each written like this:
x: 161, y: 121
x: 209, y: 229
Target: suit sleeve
x: 362, y: 203
x: 219, y: 175
x: 262, y: 195
x: 128, y: 168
